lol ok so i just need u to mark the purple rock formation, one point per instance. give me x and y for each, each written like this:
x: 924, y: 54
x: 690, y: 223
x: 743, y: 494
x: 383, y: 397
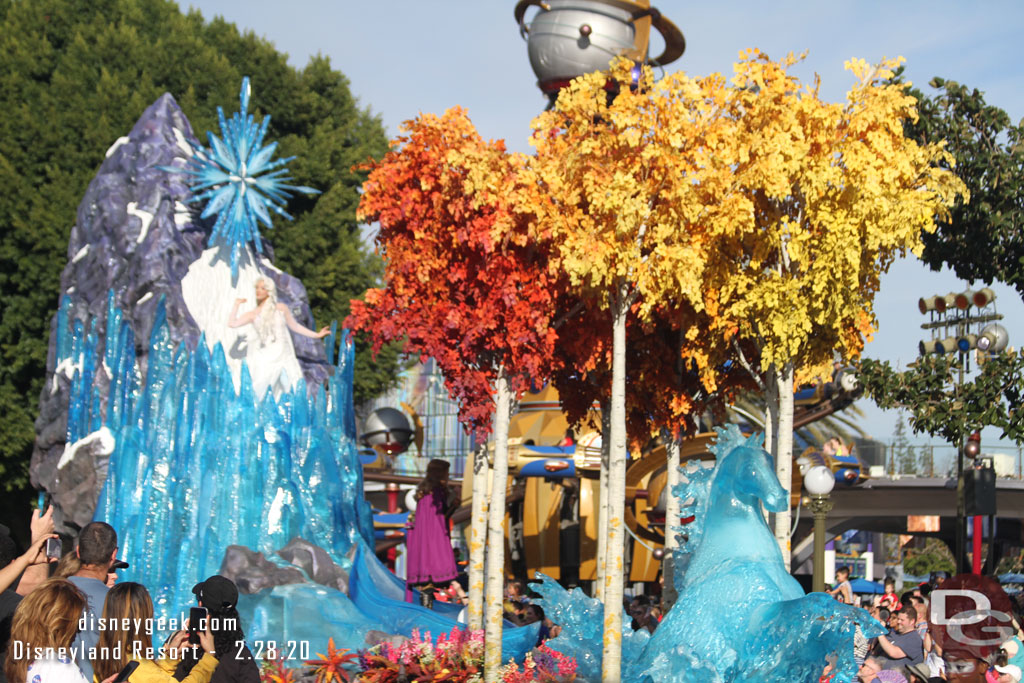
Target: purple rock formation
x: 113, y: 248
x: 252, y: 572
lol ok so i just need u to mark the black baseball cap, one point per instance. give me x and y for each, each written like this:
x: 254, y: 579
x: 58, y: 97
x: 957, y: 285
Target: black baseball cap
x: 216, y: 592
x: 118, y: 564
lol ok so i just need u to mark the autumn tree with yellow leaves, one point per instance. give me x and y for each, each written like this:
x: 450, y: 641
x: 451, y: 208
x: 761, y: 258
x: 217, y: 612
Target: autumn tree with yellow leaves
x: 766, y: 211
x: 827, y: 196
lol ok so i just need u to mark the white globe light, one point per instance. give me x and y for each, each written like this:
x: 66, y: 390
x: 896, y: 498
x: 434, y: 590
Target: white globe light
x: 819, y: 480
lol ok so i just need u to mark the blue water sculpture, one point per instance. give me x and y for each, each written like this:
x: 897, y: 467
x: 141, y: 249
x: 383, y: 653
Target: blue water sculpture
x: 238, y: 177
x: 581, y: 619
x: 740, y: 616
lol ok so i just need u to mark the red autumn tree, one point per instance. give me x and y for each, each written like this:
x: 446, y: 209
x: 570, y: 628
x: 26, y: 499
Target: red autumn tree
x: 467, y: 283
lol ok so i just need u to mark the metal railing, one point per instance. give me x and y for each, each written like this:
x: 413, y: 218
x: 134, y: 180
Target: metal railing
x: 934, y: 460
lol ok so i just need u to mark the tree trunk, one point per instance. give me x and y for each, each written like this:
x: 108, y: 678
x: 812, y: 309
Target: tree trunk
x: 771, y: 422
x: 611, y: 671
x: 784, y: 456
x: 771, y: 412
x: 672, y: 449
x: 477, y: 540
x: 496, y: 533
x: 602, y: 502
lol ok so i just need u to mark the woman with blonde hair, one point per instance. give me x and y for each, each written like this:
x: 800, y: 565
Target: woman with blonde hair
x: 270, y: 356
x: 68, y: 565
x: 130, y: 601
x: 42, y: 629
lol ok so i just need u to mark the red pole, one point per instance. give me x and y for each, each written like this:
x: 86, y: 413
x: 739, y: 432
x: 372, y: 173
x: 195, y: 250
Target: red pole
x: 976, y: 559
x: 392, y: 489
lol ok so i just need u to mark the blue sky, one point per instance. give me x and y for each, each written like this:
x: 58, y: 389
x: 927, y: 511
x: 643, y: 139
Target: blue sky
x: 404, y: 57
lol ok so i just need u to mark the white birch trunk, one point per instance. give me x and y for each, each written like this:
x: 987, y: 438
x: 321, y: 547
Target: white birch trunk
x: 477, y: 540
x: 784, y: 456
x: 602, y: 503
x: 771, y: 412
x: 771, y: 423
x: 496, y: 533
x: 672, y: 449
x: 611, y: 670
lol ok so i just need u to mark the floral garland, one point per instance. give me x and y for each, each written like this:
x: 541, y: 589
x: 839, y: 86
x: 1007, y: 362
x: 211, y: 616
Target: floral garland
x: 457, y: 657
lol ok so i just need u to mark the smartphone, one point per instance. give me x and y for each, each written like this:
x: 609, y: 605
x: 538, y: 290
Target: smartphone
x: 196, y: 623
x: 43, y: 502
x: 123, y: 675
x: 53, y: 548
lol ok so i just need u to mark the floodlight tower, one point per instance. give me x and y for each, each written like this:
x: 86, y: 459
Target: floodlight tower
x: 955, y: 329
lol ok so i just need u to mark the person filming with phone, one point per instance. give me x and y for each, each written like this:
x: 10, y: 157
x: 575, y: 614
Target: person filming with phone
x: 132, y: 648
x: 217, y: 598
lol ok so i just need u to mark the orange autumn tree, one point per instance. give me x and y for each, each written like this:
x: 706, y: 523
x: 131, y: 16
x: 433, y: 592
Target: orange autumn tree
x: 469, y: 284
x: 665, y: 396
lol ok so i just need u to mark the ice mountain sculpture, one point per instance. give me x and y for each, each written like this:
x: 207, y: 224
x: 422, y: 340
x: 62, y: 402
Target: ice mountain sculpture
x: 195, y: 467
x: 136, y: 235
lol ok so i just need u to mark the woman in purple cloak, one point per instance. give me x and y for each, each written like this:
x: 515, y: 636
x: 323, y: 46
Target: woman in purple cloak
x: 431, y: 561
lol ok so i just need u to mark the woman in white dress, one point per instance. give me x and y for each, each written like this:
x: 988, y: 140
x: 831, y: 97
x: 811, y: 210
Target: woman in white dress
x: 271, y: 356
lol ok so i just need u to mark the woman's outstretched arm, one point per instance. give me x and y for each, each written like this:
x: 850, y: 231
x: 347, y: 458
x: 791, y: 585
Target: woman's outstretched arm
x: 236, y: 320
x: 295, y: 327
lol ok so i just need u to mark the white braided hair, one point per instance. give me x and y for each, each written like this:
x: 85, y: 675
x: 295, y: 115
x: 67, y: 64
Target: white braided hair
x: 267, y: 310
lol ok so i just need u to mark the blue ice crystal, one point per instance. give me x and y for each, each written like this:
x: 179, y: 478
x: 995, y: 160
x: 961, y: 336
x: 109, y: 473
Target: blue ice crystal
x: 581, y: 619
x: 198, y: 466
x: 238, y: 177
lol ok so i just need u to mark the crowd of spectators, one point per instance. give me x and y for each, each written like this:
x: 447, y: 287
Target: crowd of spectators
x: 909, y: 652
x: 68, y: 619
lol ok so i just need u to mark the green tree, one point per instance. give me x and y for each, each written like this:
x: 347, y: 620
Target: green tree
x: 75, y: 76
x: 942, y: 403
x: 984, y: 239
x: 932, y: 556
x: 903, y: 454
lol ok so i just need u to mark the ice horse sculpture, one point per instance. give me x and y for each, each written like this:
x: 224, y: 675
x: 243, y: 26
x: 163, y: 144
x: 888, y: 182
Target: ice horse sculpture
x: 740, y: 616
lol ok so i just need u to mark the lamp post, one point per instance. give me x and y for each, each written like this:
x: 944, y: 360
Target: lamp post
x: 819, y: 481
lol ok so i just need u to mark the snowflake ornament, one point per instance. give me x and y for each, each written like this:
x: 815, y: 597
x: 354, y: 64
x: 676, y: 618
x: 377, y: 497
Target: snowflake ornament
x: 238, y: 177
